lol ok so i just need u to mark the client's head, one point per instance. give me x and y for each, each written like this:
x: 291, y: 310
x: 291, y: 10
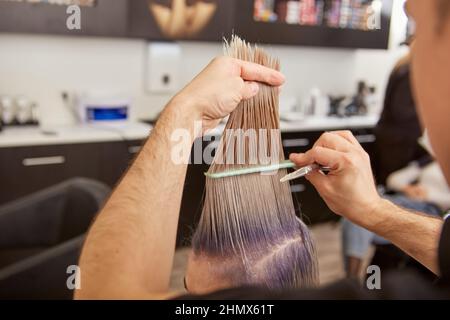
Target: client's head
x: 248, y: 234
x: 261, y: 243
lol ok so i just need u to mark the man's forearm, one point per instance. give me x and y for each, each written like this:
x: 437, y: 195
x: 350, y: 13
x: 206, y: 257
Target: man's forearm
x: 416, y: 234
x: 129, y: 249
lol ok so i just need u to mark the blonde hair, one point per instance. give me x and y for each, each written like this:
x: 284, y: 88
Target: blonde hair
x: 248, y: 222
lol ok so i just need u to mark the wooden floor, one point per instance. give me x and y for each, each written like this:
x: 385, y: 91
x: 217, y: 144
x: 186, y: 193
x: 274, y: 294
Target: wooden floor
x: 329, y: 250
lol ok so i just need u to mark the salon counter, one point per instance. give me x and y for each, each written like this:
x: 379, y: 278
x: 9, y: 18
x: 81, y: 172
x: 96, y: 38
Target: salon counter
x: 73, y: 134
x: 319, y: 124
x: 61, y: 135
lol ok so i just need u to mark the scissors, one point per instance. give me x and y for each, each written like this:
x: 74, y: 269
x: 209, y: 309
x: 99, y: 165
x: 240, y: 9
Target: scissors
x: 303, y: 172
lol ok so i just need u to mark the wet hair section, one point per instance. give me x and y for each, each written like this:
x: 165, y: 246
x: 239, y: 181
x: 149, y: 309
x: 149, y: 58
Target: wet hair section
x: 250, y: 219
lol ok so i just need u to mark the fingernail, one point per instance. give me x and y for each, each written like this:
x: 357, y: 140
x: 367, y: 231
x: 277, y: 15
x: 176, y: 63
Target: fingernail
x: 297, y: 154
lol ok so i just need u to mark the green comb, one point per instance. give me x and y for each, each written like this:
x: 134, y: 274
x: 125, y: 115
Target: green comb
x: 256, y: 169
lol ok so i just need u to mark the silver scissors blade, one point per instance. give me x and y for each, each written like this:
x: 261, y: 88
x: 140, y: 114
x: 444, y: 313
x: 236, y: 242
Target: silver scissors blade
x: 302, y: 172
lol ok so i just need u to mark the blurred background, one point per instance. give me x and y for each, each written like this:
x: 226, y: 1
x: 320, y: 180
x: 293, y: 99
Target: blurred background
x: 82, y: 84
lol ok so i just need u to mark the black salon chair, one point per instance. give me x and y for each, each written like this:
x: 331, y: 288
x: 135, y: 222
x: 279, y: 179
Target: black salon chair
x: 41, y: 236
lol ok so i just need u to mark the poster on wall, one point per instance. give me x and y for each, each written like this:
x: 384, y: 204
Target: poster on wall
x: 206, y: 20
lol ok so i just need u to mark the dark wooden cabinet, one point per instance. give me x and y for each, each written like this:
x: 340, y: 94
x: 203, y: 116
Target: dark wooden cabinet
x: 28, y: 169
x: 24, y: 170
x: 308, y: 205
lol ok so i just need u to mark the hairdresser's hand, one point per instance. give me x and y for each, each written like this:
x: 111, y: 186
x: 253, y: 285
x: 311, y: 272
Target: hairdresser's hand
x: 349, y: 189
x: 219, y: 88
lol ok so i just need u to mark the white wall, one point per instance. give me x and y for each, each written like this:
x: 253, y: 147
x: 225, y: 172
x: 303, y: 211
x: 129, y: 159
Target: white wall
x: 376, y: 65
x: 40, y: 67
x: 43, y: 66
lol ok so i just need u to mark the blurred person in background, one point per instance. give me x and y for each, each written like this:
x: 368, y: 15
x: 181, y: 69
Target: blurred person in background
x: 398, y: 129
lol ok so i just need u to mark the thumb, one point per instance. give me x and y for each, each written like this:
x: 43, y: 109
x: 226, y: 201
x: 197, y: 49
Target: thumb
x: 249, y: 90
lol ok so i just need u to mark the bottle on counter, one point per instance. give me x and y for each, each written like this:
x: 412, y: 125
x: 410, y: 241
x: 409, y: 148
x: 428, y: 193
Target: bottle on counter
x: 318, y: 104
x: 8, y: 112
x: 17, y: 111
x: 23, y: 110
x: 358, y: 105
x: 372, y: 101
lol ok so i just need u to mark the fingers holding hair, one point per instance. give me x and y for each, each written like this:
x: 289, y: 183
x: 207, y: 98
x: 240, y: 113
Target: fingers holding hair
x: 255, y: 72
